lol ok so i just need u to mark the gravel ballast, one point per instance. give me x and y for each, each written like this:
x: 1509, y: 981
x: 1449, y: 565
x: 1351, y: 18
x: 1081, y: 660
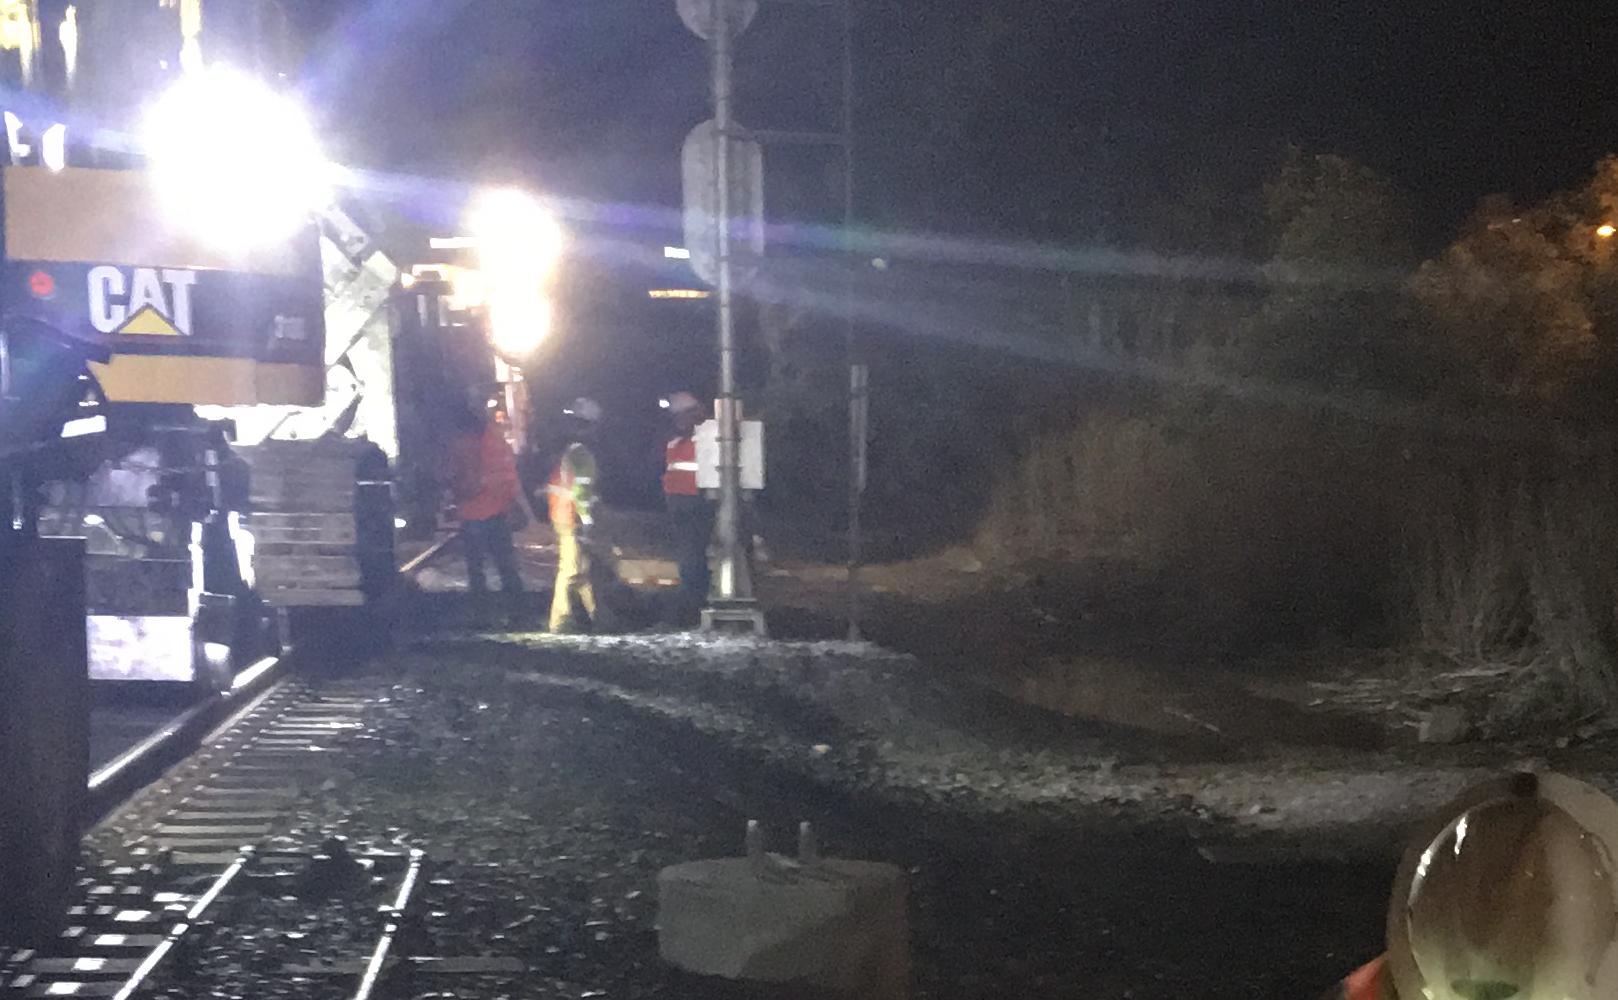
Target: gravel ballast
x: 549, y: 779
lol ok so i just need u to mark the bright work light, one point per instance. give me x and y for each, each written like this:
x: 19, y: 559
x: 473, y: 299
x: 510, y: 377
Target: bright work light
x: 233, y: 160
x: 518, y: 244
x: 519, y: 321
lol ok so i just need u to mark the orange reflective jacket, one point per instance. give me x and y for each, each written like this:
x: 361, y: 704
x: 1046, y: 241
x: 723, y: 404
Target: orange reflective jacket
x: 483, y: 475
x: 680, y: 467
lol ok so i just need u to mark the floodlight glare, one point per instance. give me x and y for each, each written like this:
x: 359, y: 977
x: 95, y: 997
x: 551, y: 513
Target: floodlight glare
x: 233, y: 160
x: 518, y: 244
x: 514, y: 229
x: 519, y: 321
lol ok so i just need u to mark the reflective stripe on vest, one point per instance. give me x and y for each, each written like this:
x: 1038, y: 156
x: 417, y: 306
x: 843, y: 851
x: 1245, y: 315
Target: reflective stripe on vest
x: 680, y: 467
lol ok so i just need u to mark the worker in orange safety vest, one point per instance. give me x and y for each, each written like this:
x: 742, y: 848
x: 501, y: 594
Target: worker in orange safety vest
x: 1512, y: 894
x: 572, y: 490
x: 690, y: 513
x: 488, y: 498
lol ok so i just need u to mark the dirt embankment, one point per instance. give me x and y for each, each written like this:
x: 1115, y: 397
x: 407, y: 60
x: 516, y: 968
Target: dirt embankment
x: 893, y: 729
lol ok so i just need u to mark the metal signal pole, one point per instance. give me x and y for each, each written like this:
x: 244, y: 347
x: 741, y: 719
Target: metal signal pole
x: 732, y: 596
x: 716, y: 188
x: 858, y: 373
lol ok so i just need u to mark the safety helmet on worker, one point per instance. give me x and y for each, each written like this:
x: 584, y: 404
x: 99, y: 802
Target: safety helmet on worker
x: 682, y: 402
x: 1512, y: 894
x: 585, y: 409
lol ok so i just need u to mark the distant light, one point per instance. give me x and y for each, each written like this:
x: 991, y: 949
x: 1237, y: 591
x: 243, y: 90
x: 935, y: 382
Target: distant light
x: 453, y: 242
x: 400, y: 522
x: 1605, y: 230
x: 676, y: 253
x: 663, y: 403
x: 880, y: 263
x: 84, y: 425
x: 53, y: 147
x: 93, y: 520
x: 678, y: 293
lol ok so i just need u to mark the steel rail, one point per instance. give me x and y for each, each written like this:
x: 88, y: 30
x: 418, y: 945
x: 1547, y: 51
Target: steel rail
x: 427, y: 554
x: 395, y: 912
x: 138, y: 978
x: 124, y: 774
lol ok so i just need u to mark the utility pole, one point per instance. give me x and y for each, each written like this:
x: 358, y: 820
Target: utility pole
x: 722, y: 168
x: 858, y: 372
x: 732, y: 597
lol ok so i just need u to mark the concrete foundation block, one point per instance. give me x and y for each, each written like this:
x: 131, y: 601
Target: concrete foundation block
x: 834, y: 925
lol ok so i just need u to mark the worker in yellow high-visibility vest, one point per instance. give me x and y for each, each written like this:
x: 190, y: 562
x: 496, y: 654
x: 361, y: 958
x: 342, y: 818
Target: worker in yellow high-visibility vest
x: 572, y: 490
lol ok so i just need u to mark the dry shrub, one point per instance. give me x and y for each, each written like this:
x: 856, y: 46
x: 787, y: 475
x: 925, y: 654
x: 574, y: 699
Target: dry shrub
x: 1509, y: 558
x: 1261, y: 527
x: 1468, y: 594
x: 1257, y: 528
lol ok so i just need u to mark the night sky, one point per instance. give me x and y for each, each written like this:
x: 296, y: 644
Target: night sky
x: 1125, y: 122
x: 1057, y: 121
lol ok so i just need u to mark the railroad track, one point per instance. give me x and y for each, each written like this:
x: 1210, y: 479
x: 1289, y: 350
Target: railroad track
x: 182, y: 943
x: 201, y: 870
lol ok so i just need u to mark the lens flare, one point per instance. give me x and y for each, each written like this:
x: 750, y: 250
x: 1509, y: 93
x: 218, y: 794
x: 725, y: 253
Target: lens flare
x: 234, y: 161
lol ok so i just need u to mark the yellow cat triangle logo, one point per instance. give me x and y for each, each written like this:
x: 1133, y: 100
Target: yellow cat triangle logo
x: 148, y: 321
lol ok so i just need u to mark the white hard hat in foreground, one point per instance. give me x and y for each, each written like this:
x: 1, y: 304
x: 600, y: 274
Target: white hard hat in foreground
x: 1511, y: 895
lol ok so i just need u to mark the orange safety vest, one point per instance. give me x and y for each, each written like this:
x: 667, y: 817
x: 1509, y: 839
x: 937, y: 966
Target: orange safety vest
x: 483, y: 475
x: 1370, y: 981
x: 680, y: 467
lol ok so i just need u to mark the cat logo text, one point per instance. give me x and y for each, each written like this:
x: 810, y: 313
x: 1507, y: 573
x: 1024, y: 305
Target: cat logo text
x: 141, y: 301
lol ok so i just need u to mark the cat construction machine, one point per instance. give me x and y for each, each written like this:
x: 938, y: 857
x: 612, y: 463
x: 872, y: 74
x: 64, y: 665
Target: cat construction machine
x: 146, y: 315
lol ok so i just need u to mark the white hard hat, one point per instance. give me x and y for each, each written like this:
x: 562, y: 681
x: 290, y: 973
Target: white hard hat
x: 585, y: 409
x: 1514, y: 896
x: 682, y: 402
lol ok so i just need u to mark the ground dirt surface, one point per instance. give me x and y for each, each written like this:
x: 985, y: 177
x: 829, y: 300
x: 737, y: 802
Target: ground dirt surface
x: 548, y: 801
x: 1092, y: 796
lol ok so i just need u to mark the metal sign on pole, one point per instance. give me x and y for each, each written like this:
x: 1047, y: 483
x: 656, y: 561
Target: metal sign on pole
x: 699, y: 170
x: 698, y: 15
